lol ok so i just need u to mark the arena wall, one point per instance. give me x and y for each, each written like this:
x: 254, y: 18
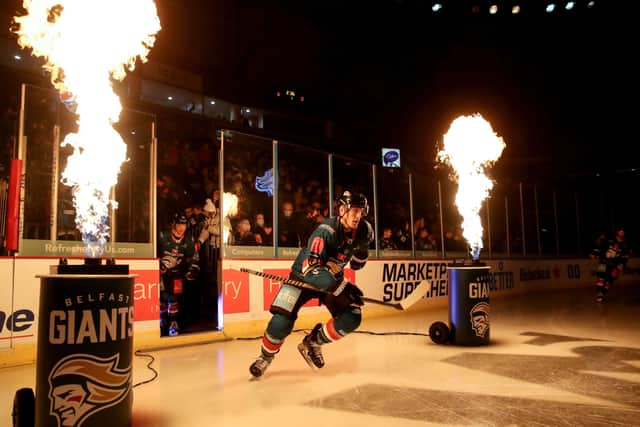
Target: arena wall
x: 246, y: 297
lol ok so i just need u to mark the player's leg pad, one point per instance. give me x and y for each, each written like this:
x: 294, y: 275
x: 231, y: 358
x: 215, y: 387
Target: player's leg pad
x: 285, y: 301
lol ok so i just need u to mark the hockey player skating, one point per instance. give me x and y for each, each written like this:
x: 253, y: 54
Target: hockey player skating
x: 336, y: 242
x: 612, y: 256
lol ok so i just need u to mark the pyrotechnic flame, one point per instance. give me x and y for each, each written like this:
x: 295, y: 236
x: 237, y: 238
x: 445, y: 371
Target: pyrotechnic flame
x: 86, y: 44
x: 470, y: 146
x: 230, y: 209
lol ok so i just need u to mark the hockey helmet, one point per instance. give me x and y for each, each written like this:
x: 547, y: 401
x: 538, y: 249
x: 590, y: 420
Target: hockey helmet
x: 179, y: 218
x: 354, y: 200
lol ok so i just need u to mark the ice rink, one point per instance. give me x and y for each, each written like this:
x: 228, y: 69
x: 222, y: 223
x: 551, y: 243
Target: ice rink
x: 554, y: 359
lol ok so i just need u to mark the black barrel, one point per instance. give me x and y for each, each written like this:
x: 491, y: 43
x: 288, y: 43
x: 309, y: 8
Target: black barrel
x: 469, y: 303
x: 85, y: 350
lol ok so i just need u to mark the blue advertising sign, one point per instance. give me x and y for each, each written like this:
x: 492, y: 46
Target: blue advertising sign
x: 391, y: 157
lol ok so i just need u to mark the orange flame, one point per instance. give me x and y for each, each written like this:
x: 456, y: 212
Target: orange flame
x: 85, y: 44
x: 229, y: 209
x: 470, y: 146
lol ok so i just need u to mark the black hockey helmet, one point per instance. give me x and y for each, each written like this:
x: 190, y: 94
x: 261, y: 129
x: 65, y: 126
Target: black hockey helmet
x: 354, y: 200
x: 179, y: 218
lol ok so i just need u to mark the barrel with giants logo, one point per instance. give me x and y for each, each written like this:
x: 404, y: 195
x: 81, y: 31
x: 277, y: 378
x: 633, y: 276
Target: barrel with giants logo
x: 85, y: 348
x: 469, y: 303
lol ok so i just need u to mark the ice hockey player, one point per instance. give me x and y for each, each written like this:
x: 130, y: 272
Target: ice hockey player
x: 335, y: 243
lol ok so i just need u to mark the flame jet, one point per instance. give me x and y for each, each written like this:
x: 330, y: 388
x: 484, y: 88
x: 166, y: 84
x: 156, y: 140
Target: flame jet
x: 86, y: 45
x: 230, y: 209
x: 470, y: 146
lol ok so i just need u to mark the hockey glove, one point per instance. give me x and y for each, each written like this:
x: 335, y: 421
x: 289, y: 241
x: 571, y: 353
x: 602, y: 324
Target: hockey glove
x: 359, y: 259
x: 191, y: 274
x: 354, y: 294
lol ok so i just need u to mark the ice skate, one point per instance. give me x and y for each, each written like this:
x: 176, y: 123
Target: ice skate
x: 174, y: 329
x: 310, y: 349
x: 260, y: 365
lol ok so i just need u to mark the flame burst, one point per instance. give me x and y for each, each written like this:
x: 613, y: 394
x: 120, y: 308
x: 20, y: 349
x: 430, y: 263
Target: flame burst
x: 470, y: 146
x: 86, y: 45
x: 229, y: 209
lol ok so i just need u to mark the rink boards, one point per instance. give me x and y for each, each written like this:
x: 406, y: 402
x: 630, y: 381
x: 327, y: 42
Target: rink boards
x: 244, y: 298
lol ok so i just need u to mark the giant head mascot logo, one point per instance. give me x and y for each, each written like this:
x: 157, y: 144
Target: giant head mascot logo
x: 81, y: 385
x: 480, y: 318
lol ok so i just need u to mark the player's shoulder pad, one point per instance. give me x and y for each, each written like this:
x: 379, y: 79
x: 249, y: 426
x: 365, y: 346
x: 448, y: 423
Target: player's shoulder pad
x: 326, y: 227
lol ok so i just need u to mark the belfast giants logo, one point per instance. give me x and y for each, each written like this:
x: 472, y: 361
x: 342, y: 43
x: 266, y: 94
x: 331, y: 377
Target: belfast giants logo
x: 479, y: 313
x: 479, y: 316
x: 80, y: 385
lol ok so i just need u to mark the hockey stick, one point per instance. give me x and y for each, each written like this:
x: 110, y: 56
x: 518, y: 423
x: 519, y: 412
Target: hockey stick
x: 413, y: 297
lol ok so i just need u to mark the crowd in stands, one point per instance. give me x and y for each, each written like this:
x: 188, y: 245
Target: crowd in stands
x: 188, y: 179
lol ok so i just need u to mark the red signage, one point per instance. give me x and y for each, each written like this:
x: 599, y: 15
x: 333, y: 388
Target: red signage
x: 13, y: 204
x: 235, y: 291
x: 146, y: 295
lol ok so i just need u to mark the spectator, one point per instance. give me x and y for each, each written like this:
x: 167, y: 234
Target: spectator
x: 309, y: 222
x: 209, y: 239
x: 287, y: 234
x: 433, y: 242
x: 386, y: 242
x: 422, y: 240
x: 196, y: 219
x: 244, y: 235
x: 403, y: 236
x: 454, y: 242
x: 263, y: 233
x: 418, y: 225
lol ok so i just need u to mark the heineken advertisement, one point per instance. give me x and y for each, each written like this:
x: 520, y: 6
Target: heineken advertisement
x: 66, y: 248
